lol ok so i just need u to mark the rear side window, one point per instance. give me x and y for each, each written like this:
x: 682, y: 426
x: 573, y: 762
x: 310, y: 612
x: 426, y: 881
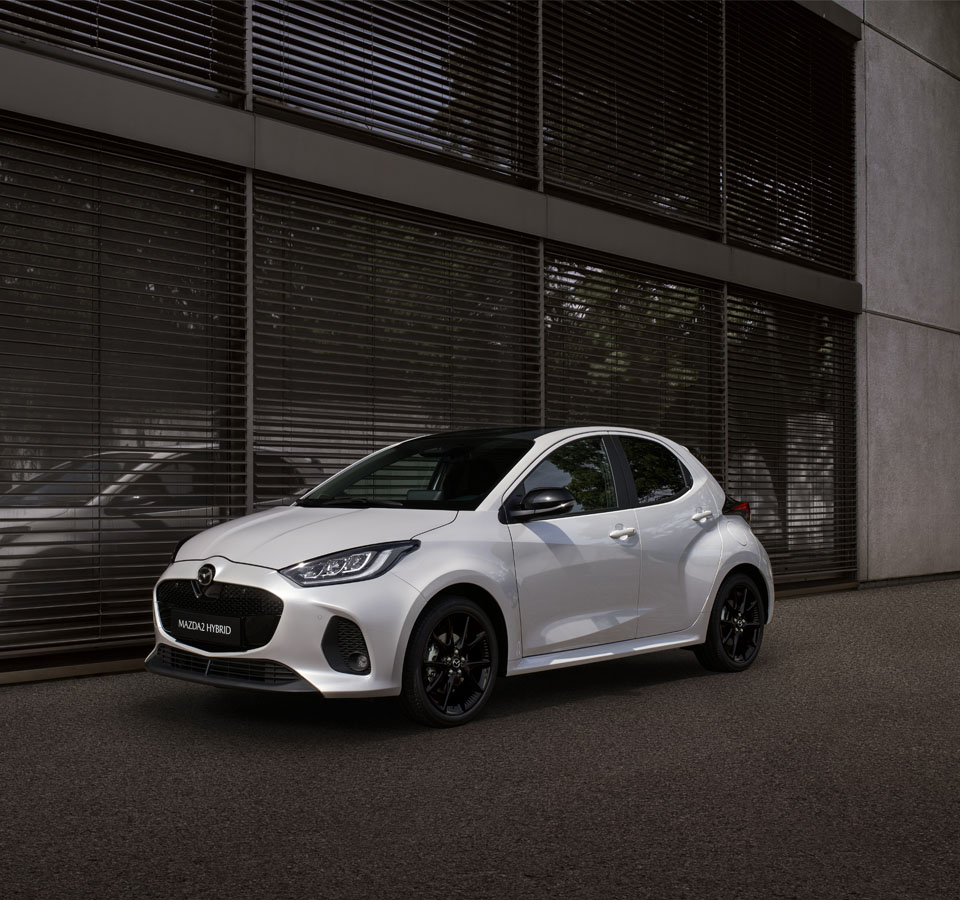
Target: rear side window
x: 658, y: 475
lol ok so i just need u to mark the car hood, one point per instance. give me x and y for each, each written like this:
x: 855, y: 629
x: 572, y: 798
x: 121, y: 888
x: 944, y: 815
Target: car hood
x: 283, y: 537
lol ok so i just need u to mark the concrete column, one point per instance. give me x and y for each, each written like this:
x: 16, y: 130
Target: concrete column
x: 909, y: 391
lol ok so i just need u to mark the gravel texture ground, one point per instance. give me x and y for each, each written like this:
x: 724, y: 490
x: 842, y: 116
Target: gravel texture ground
x: 831, y: 769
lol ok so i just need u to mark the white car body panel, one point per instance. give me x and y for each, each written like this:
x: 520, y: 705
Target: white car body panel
x: 680, y: 563
x: 286, y: 535
x: 561, y: 564
x: 616, y: 650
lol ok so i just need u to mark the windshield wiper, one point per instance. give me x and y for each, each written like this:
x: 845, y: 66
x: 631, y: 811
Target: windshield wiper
x: 347, y: 500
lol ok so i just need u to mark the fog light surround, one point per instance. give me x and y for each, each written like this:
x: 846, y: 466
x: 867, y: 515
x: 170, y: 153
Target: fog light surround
x: 345, y: 647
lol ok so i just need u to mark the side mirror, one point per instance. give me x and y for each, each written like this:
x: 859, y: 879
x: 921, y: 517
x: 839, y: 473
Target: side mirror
x: 542, y: 502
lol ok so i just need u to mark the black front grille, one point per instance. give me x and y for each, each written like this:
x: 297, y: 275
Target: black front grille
x: 219, y: 599
x: 264, y: 672
x: 343, y: 645
x: 258, y: 610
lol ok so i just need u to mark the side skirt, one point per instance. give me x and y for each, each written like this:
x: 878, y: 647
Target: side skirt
x: 601, y: 652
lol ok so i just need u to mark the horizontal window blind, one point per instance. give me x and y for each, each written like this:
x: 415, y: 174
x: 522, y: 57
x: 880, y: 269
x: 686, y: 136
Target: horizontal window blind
x: 633, y: 99
x: 200, y: 42
x: 375, y: 324
x: 121, y: 376
x: 452, y: 77
x: 790, y: 134
x: 627, y: 345
x: 792, y: 433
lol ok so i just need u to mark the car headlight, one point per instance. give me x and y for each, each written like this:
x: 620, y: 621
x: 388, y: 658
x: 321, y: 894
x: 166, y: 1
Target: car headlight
x: 357, y: 564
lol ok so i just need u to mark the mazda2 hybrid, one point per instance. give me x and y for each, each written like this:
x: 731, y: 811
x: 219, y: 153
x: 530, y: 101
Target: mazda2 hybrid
x: 429, y: 568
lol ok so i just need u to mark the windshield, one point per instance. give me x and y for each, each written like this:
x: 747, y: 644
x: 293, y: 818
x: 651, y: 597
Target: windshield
x: 443, y: 472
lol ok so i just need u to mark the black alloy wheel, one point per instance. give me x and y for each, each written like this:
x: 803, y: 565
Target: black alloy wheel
x: 736, y: 625
x: 451, y: 663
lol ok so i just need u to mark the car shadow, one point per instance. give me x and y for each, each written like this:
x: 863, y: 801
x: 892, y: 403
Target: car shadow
x: 525, y: 694
x: 192, y: 707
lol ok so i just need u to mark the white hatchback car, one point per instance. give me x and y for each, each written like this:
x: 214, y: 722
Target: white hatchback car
x: 428, y: 568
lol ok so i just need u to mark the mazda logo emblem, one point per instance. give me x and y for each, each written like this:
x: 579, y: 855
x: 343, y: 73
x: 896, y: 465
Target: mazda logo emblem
x: 205, y: 575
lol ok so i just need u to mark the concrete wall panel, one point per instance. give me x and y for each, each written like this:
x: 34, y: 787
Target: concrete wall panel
x: 913, y: 416
x: 909, y: 230
x: 912, y: 224
x: 854, y: 6
x: 931, y: 27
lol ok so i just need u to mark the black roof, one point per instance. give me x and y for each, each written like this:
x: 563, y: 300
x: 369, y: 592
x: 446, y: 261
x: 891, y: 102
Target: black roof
x: 528, y: 432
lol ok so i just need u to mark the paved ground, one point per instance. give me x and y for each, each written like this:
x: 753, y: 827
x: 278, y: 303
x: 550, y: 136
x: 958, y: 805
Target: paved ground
x: 829, y: 770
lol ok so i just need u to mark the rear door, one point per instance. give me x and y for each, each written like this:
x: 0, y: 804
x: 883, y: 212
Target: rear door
x: 680, y: 543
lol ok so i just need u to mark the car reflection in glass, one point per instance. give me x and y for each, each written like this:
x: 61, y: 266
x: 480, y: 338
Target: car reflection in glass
x: 96, y: 529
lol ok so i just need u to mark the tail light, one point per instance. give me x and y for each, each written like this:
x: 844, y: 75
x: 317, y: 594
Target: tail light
x: 733, y: 507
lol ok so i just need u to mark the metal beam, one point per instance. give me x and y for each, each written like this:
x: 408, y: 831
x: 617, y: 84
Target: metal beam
x: 836, y: 14
x: 70, y: 94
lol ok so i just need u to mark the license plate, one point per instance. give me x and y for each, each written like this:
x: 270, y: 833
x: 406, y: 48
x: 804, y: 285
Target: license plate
x: 200, y: 627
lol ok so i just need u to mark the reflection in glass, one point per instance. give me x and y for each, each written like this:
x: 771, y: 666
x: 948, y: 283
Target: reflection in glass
x: 583, y: 469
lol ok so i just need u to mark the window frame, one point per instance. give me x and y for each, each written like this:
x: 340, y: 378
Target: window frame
x: 624, y: 463
x: 621, y: 485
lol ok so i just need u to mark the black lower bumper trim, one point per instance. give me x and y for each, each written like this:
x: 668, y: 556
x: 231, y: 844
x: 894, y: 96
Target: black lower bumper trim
x: 222, y: 671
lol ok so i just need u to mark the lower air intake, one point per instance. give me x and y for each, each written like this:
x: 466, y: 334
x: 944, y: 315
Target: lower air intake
x: 251, y: 672
x: 344, y: 647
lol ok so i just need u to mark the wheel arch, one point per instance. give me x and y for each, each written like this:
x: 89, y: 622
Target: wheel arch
x: 755, y: 575
x: 487, y: 603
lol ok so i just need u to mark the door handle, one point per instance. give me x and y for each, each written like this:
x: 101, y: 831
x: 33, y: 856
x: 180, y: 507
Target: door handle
x: 619, y: 532
x: 703, y: 514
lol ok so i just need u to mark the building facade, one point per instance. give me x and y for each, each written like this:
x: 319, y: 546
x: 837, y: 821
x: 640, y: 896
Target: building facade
x: 246, y: 242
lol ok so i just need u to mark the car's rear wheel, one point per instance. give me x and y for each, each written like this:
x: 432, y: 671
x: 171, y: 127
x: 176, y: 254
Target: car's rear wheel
x: 735, y: 631
x: 451, y: 663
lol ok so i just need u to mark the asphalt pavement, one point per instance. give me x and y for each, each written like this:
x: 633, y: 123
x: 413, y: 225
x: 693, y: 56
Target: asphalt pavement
x: 831, y: 769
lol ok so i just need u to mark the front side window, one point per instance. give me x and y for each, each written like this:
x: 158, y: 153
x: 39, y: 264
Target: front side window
x: 657, y: 473
x: 582, y: 467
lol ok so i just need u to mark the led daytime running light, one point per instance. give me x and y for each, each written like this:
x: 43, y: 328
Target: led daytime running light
x: 358, y: 564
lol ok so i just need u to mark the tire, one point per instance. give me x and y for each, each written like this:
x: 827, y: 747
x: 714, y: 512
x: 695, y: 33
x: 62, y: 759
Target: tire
x: 735, y: 631
x: 450, y: 665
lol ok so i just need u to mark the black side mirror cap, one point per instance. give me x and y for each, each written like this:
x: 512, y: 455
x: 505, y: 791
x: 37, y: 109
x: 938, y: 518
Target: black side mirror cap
x: 540, y: 503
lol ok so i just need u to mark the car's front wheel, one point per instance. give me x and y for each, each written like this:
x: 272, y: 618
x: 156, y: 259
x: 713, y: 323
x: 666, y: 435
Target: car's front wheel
x: 451, y: 663
x: 736, y: 624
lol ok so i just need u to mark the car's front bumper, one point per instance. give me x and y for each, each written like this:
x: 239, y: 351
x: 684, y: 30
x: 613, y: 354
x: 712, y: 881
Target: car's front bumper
x: 225, y: 671
x: 383, y: 608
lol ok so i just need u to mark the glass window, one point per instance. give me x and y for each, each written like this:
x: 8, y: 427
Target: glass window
x: 657, y: 473
x: 419, y: 474
x: 185, y: 480
x: 73, y: 483
x: 454, y: 471
x: 582, y: 467
x: 175, y: 484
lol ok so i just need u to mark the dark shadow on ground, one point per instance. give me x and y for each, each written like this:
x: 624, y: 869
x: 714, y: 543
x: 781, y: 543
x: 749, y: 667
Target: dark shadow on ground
x: 188, y: 705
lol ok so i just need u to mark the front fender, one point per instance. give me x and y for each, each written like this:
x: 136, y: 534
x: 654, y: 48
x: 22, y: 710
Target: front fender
x: 442, y: 567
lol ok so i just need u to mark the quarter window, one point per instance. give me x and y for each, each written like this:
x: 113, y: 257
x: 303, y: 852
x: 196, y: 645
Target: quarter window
x: 657, y: 473
x: 582, y: 467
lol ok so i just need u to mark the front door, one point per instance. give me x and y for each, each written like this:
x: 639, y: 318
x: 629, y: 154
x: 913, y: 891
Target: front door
x: 578, y: 580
